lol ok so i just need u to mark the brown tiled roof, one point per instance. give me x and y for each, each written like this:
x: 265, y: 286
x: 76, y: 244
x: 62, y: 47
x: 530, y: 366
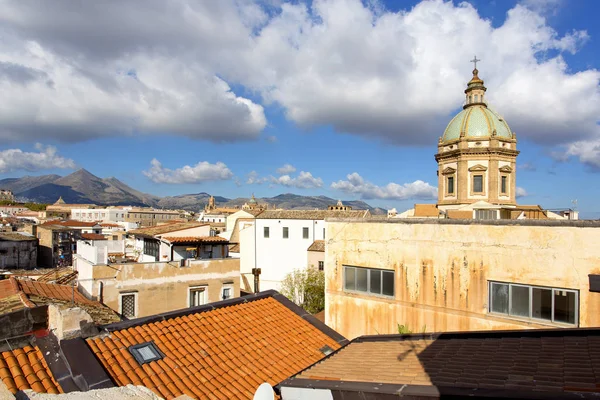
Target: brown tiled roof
x: 426, y: 210
x: 312, y: 214
x: 61, y: 276
x: 26, y: 368
x: 34, y: 293
x: 317, y: 245
x: 553, y: 360
x: 72, y: 224
x: 459, y: 214
x: 92, y: 236
x: 219, y: 353
x: 109, y: 225
x: 162, y: 229
x: 197, y: 239
x: 15, y: 237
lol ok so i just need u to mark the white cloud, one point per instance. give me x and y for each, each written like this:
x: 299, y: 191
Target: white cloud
x: 304, y: 180
x: 201, y: 172
x: 286, y: 169
x: 254, y: 179
x: 588, y: 152
x: 521, y: 192
x: 392, y: 191
x: 158, y: 73
x: 46, y: 158
x: 271, y: 139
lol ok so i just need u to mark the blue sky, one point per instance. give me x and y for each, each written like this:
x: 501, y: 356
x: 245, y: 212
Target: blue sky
x: 316, y: 87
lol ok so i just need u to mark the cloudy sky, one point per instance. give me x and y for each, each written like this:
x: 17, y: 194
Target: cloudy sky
x: 336, y: 97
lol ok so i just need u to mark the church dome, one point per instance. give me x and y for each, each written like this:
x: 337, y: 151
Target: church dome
x: 477, y: 121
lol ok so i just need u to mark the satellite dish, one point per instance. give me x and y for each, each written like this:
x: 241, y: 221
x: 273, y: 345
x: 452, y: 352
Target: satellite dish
x: 264, y: 392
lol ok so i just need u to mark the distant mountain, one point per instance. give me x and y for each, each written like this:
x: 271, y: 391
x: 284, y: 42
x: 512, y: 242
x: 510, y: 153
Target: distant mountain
x: 191, y: 202
x: 18, y: 185
x: 290, y: 201
x: 80, y: 187
x: 83, y: 187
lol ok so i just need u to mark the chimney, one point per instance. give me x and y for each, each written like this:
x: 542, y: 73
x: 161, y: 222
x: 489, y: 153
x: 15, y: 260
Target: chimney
x: 70, y: 323
x: 256, y: 273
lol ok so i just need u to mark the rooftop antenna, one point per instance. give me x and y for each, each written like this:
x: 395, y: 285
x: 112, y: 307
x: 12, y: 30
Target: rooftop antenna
x: 264, y: 392
x: 574, y: 202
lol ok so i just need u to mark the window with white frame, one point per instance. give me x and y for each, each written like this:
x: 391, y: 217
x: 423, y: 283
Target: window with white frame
x: 555, y: 305
x: 369, y: 280
x: 197, y: 295
x: 486, y: 214
x: 477, y: 183
x: 128, y: 304
x: 227, y: 291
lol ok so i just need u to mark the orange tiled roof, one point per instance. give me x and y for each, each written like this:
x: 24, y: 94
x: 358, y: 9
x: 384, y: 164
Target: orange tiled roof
x: 166, y: 228
x: 197, y: 239
x: 26, y: 369
x: 222, y: 353
x: 92, y: 236
x: 61, y: 276
x: 52, y: 291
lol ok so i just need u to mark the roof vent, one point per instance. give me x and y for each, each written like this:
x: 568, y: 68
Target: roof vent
x: 326, y: 350
x: 146, y: 352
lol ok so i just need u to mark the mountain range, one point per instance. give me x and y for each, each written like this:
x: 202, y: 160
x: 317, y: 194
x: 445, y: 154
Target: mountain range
x: 83, y: 187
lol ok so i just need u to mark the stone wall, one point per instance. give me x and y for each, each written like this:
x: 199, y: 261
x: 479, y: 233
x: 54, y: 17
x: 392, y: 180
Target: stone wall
x: 442, y: 269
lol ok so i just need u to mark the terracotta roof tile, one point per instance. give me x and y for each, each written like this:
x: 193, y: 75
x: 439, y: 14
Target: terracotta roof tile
x: 166, y: 228
x: 221, y: 353
x: 92, y: 236
x: 197, y: 239
x: 312, y: 214
x: 548, y: 360
x: 26, y: 368
x: 15, y: 237
x: 61, y: 276
x: 317, y: 245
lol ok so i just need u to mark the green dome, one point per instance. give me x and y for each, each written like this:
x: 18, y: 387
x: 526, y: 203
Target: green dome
x: 477, y: 121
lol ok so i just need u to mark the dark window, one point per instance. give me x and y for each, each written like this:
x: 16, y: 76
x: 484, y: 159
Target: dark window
x: 321, y: 265
x: 477, y: 183
x: 304, y: 233
x: 266, y: 231
x: 323, y: 233
x: 286, y: 232
x: 524, y: 301
x: 503, y: 188
x: 151, y: 248
x: 450, y: 185
x: 227, y: 293
x: 486, y: 214
x: 197, y: 296
x: 371, y: 280
x: 128, y: 305
x: 146, y: 352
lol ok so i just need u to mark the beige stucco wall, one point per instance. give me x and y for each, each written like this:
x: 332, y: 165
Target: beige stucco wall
x: 442, y: 269
x: 162, y: 287
x: 314, y: 257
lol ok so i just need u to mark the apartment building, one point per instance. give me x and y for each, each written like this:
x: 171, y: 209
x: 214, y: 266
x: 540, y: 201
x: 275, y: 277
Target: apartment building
x: 145, y: 217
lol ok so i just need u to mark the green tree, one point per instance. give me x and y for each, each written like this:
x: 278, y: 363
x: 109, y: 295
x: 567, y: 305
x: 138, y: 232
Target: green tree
x: 306, y: 288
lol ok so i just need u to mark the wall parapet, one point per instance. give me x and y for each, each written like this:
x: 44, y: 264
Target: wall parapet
x: 490, y: 222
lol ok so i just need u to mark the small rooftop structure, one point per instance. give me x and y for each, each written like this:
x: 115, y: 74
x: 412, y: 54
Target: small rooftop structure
x: 312, y: 214
x: 166, y: 228
x: 317, y: 245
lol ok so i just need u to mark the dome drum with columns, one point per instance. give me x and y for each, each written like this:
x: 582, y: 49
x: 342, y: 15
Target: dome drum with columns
x: 476, y: 155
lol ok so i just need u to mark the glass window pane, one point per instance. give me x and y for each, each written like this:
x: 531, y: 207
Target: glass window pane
x: 387, y: 278
x: 450, y: 185
x: 478, y: 183
x: 520, y: 301
x: 350, y: 279
x: 266, y: 231
x: 542, y: 304
x: 305, y: 233
x: 375, y: 286
x: 503, y: 188
x: 361, y: 279
x: 564, y: 306
x: 499, y: 298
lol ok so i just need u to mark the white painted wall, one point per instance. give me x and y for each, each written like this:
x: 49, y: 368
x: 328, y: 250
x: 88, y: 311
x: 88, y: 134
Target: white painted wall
x: 231, y: 219
x: 99, y: 214
x: 277, y: 256
x: 292, y: 393
x: 247, y: 245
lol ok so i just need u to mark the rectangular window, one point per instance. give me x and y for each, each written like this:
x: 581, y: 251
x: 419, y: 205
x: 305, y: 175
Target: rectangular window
x: 369, y: 280
x: 503, y: 185
x: 304, y: 233
x: 227, y: 292
x: 197, y: 296
x: 533, y: 302
x: 323, y: 233
x: 450, y: 185
x: 266, y: 232
x: 321, y: 265
x: 286, y: 232
x: 477, y: 183
x: 486, y: 214
x: 128, y: 305
x: 151, y: 248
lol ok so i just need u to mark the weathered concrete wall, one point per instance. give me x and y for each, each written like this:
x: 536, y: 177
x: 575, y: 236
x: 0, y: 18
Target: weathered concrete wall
x: 163, y: 287
x: 18, y: 254
x: 442, y: 271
